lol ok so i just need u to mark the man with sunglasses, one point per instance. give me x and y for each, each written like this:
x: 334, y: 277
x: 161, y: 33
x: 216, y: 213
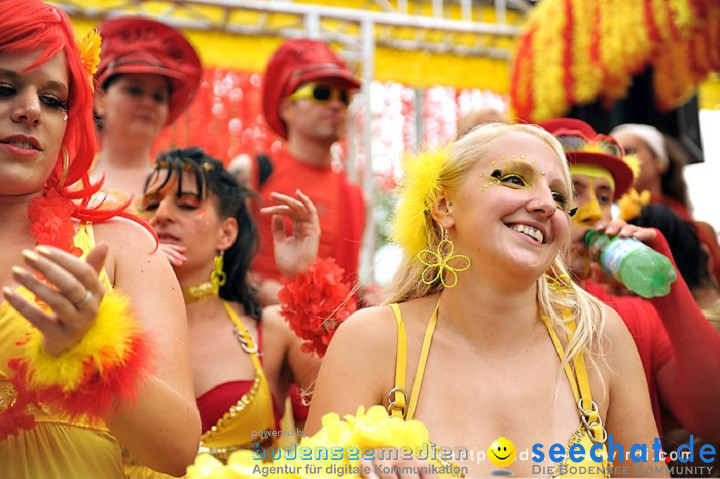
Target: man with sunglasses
x: 307, y: 90
x: 679, y: 349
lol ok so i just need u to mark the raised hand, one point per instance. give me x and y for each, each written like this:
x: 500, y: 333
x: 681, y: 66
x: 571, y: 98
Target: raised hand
x: 295, y: 252
x: 71, y: 288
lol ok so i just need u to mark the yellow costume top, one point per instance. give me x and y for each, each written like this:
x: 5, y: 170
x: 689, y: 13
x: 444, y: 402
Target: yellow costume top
x: 55, y: 447
x: 252, y: 419
x: 589, y: 432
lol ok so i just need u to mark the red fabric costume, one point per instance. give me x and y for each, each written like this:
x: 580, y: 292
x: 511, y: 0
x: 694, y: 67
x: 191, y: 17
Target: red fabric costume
x: 340, y: 206
x: 646, y: 328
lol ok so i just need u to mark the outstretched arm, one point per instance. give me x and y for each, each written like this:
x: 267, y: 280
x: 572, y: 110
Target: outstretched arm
x: 162, y: 428
x: 689, y: 382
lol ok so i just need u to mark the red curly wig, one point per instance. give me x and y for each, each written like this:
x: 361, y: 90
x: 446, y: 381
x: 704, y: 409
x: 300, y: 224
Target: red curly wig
x: 31, y: 25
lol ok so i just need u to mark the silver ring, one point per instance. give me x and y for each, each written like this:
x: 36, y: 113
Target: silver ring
x: 85, y: 300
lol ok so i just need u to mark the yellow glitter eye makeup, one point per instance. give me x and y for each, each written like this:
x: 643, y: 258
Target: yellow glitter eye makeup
x: 521, y: 173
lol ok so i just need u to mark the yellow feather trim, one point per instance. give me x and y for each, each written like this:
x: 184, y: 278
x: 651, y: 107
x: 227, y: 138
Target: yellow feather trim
x: 105, y: 345
x: 632, y: 203
x: 417, y: 194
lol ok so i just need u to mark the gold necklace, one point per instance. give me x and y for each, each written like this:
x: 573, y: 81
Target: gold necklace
x: 199, y: 292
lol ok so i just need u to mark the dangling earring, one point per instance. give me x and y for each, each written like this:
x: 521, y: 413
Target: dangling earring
x: 218, y: 277
x: 440, y: 259
x: 66, y: 167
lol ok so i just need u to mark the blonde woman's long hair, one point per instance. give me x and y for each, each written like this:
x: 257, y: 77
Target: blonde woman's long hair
x: 587, y: 312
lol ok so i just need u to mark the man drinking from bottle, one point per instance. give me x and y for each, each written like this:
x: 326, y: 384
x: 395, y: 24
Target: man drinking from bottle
x: 679, y: 349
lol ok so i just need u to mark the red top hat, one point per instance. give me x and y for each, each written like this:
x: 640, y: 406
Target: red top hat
x: 139, y: 45
x: 604, y: 151
x: 295, y: 63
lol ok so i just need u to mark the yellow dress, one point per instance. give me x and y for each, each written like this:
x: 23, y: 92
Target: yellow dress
x: 55, y: 447
x: 587, y: 436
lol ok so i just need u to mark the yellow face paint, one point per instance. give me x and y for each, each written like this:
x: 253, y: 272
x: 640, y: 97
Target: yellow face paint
x: 589, y: 209
x: 589, y: 212
x: 593, y: 171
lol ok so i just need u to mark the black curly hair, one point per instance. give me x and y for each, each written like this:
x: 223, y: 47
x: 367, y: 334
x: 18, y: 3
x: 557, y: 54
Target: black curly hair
x: 212, y: 178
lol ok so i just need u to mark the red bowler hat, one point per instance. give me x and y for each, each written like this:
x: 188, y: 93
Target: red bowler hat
x: 295, y: 63
x: 584, y: 146
x: 140, y: 45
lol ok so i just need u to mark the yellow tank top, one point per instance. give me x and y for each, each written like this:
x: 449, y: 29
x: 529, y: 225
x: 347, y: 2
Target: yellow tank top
x: 55, y: 447
x: 589, y: 432
x: 252, y: 413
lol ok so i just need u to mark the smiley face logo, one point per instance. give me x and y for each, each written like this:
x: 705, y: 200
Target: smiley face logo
x: 502, y: 452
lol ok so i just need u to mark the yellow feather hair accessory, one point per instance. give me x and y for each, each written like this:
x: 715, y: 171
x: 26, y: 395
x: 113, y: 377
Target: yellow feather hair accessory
x: 417, y: 194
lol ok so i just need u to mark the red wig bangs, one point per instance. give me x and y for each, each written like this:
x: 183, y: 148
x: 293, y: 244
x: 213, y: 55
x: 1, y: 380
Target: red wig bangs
x: 30, y: 25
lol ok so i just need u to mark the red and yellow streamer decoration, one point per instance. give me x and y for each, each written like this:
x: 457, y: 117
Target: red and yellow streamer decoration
x: 574, y: 52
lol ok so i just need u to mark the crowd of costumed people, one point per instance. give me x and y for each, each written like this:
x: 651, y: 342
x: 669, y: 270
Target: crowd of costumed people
x: 556, y: 310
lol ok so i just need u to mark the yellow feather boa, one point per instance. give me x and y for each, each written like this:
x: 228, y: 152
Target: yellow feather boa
x: 105, y: 345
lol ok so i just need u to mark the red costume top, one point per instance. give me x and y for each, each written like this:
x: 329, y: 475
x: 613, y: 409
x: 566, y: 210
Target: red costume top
x: 652, y: 342
x: 339, y: 203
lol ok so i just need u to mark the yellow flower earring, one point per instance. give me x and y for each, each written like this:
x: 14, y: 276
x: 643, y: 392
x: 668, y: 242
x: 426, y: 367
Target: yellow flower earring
x: 438, y: 261
x: 218, y: 277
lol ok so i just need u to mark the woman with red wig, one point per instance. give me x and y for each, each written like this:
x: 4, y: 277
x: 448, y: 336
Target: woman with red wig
x: 93, y: 346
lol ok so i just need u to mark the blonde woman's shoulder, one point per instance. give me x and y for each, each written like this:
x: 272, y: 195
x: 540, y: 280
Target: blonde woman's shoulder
x: 371, y: 329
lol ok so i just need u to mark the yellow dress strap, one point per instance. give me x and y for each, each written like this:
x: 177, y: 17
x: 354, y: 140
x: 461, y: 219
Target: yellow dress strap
x: 85, y: 240
x: 561, y: 354
x: 246, y: 340
x: 397, y: 398
x: 579, y: 383
x: 424, y: 352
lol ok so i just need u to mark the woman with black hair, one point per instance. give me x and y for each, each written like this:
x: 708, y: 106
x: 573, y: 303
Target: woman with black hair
x: 244, y: 358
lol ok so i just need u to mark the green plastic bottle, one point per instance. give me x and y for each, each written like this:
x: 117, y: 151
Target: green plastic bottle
x: 640, y: 268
